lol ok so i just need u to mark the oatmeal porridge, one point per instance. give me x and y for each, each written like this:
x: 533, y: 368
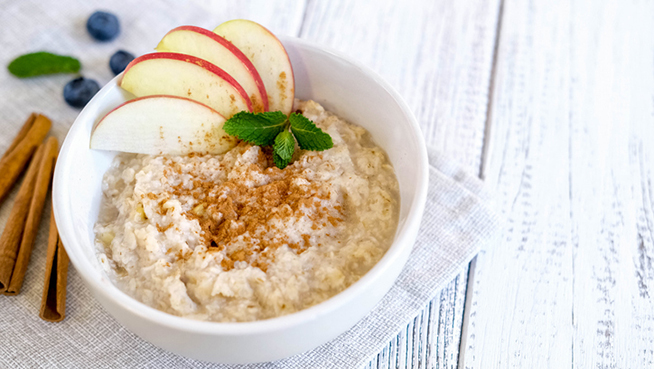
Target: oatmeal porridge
x: 232, y: 238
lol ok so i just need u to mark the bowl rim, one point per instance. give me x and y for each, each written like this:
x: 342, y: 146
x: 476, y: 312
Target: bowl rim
x: 403, y: 237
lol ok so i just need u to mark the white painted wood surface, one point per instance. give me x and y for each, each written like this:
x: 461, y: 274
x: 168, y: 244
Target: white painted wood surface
x: 571, y: 156
x: 438, y: 55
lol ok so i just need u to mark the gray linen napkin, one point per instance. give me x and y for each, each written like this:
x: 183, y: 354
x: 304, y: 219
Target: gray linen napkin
x: 456, y: 224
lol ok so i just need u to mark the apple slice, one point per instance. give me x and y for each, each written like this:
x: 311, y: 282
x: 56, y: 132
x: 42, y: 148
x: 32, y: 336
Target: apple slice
x: 209, y: 46
x: 162, y: 124
x: 269, y: 57
x: 185, y: 76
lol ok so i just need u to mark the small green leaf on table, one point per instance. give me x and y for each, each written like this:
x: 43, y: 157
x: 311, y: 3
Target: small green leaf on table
x: 40, y: 63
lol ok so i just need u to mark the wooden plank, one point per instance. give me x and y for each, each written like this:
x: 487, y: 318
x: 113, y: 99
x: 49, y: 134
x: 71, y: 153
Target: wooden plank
x: 281, y: 17
x: 612, y: 148
x: 450, y: 323
x: 438, y: 55
x: 572, y: 161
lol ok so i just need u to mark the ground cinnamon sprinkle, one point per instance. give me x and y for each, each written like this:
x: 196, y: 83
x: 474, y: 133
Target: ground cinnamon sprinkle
x: 162, y: 229
x: 245, y: 219
x: 231, y: 238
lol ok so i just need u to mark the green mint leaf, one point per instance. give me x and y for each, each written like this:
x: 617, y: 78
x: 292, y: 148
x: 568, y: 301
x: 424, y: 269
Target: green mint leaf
x: 308, y: 136
x: 280, y: 162
x: 271, y: 128
x: 284, y: 145
x: 259, y: 129
x: 36, y: 64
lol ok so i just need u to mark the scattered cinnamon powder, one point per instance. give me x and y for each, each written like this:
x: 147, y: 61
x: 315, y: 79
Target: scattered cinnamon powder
x: 165, y: 228
x: 244, y: 219
x: 281, y: 86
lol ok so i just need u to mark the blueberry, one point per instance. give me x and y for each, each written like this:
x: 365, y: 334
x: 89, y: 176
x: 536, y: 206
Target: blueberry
x: 79, y: 91
x: 103, y: 26
x: 119, y: 61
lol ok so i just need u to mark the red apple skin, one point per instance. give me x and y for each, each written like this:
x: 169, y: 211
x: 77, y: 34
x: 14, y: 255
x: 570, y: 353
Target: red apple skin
x: 279, y: 86
x: 192, y: 60
x: 234, y: 50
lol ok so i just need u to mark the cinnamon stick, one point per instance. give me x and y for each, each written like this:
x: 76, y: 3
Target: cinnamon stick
x: 14, y: 161
x: 21, y: 134
x: 31, y: 228
x: 53, y: 300
x: 13, y: 232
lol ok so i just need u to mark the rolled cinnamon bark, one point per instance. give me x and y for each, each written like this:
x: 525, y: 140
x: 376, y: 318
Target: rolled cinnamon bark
x: 31, y: 228
x: 13, y: 232
x: 21, y: 134
x: 53, y: 300
x: 14, y: 161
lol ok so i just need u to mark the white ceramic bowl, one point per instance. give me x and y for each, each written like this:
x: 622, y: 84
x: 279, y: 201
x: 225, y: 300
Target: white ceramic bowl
x: 342, y: 86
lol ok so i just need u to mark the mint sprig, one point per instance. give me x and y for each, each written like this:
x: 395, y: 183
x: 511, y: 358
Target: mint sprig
x: 279, y: 162
x: 259, y: 129
x: 308, y: 136
x: 272, y: 128
x: 283, y: 149
x: 39, y: 63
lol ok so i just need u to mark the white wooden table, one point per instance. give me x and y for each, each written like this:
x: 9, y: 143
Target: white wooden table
x: 552, y: 102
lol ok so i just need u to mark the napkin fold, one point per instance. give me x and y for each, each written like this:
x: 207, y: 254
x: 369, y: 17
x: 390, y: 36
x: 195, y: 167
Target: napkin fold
x: 457, y: 222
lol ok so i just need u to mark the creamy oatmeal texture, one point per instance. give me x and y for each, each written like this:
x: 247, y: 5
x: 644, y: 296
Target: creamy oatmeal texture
x: 233, y: 238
